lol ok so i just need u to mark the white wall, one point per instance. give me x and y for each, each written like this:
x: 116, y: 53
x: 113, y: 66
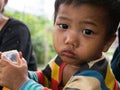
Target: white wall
x: 37, y: 7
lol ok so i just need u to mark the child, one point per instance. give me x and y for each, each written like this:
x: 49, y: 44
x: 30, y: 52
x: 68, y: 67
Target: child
x: 84, y: 29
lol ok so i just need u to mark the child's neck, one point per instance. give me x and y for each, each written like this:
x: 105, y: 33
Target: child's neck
x: 68, y: 71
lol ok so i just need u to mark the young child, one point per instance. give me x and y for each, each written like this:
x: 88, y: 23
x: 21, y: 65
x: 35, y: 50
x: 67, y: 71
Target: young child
x: 84, y: 29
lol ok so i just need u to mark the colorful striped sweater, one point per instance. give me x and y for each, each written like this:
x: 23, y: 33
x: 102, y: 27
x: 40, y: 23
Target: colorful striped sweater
x: 96, y: 75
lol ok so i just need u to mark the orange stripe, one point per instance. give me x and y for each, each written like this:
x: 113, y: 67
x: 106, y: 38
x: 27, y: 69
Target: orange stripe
x: 4, y: 88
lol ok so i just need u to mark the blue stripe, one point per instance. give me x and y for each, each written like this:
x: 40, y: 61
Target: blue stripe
x: 33, y: 76
x: 31, y: 85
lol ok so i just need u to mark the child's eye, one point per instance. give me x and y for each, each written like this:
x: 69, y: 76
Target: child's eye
x: 63, y: 26
x: 87, y: 31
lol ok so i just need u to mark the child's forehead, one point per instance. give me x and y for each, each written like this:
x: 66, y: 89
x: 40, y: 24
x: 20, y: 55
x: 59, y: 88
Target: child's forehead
x: 83, y: 7
x: 81, y: 4
x: 86, y: 10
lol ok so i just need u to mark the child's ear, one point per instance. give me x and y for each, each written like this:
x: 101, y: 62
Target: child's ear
x: 109, y: 43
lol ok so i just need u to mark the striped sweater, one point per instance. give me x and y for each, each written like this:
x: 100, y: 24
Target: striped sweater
x: 95, y: 75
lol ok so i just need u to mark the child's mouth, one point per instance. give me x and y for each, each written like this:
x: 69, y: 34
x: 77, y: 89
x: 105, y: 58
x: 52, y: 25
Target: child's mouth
x: 68, y: 54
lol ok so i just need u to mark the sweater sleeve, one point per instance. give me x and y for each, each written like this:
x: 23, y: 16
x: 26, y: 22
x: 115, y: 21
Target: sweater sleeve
x: 82, y: 81
x: 32, y: 85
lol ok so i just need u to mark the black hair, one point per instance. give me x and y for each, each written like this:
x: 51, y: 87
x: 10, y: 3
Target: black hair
x: 112, y: 8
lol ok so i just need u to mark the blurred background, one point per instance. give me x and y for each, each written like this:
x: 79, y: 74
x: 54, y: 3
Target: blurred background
x: 38, y: 15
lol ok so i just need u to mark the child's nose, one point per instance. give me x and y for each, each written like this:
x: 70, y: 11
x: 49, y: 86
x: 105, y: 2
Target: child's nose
x: 72, y: 38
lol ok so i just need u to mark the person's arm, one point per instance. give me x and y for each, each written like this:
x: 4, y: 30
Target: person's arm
x: 25, y: 46
x: 17, y: 36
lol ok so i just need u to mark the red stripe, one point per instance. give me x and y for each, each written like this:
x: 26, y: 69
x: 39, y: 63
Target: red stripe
x: 61, y: 70
x: 116, y: 86
x: 46, y: 88
x: 40, y: 77
x: 54, y: 85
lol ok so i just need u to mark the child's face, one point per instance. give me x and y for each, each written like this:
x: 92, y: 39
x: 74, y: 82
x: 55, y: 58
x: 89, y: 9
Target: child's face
x: 80, y: 33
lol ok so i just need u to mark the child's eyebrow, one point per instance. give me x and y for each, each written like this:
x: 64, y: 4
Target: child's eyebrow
x: 89, y: 23
x: 64, y: 18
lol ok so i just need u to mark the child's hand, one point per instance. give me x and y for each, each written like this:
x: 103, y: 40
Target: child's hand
x: 13, y: 75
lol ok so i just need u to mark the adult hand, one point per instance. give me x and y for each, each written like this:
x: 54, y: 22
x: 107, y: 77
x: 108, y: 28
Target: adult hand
x: 13, y: 74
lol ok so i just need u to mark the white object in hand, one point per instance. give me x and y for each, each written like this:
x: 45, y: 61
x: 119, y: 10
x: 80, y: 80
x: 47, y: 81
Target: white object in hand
x: 10, y: 55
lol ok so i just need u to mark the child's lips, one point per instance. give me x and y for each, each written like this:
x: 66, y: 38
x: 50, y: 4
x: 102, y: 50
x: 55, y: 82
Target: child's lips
x: 68, y: 53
